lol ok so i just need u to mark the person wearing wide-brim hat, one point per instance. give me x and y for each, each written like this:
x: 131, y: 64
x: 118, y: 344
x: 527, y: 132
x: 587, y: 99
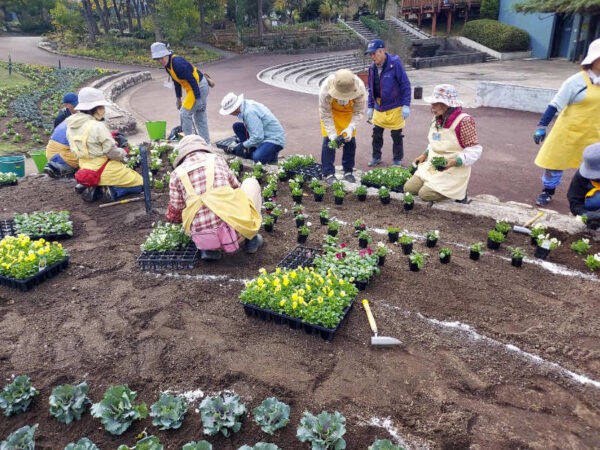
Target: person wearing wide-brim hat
x: 342, y: 100
x: 577, y: 125
x: 259, y: 134
x: 93, y: 144
x: 216, y: 211
x: 584, y: 190
x: 453, y: 141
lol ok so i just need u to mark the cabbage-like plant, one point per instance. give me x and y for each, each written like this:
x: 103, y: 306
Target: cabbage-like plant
x: 68, y: 402
x: 116, y: 410
x: 271, y: 415
x: 168, y: 412
x: 145, y: 443
x: 22, y: 439
x: 82, y: 444
x: 222, y: 413
x: 201, y: 445
x: 260, y: 446
x: 324, y: 431
x: 384, y: 444
x: 17, y: 396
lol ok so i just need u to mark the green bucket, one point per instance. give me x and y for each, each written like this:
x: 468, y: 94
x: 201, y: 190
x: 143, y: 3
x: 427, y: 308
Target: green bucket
x: 39, y: 158
x: 14, y: 164
x: 157, y: 130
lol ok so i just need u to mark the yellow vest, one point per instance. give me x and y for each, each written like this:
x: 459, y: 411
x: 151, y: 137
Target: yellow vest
x: 341, y: 115
x: 190, y: 98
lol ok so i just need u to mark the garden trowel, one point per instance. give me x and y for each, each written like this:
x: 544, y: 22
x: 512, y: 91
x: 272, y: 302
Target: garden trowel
x: 524, y: 229
x: 378, y: 341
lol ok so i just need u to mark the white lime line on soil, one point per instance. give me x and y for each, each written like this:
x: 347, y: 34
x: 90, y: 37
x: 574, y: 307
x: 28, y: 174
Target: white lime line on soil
x: 387, y: 424
x: 202, y: 277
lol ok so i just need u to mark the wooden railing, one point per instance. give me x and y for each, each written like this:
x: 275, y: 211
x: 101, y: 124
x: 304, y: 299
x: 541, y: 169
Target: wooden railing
x: 437, y: 4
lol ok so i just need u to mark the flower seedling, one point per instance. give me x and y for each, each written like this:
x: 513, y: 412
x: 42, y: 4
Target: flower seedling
x: 17, y: 396
x: 417, y: 258
x: 297, y: 192
x: 324, y: 213
x: 324, y: 431
x: 276, y: 212
x: 337, y: 185
x: 433, y: 235
x: 502, y: 226
x: 258, y: 171
x: 360, y: 225
x: 271, y: 415
x: 168, y: 412
x: 268, y: 192
x: 268, y: 206
x: 268, y: 219
x: 333, y: 225
x: 383, y: 192
x: 294, y: 162
x: 236, y: 166
x: 477, y: 247
x: 22, y: 439
x: 547, y: 242
x: 82, y: 444
x: 41, y: 223
x: 496, y: 236
x: 319, y: 189
x: 360, y: 191
x: 516, y: 252
x: 339, y: 192
x: 117, y: 410
x: 393, y: 229
x: 364, y: 235
x: 304, y: 230
x: 297, y: 209
x: 445, y: 252
x: 68, y: 402
x: 166, y: 237
x: 381, y: 249
x: 537, y: 230
x: 409, y: 199
x: 406, y: 239
x: 8, y: 178
x: 222, y: 413
x: 439, y: 162
x: 593, y: 262
x: 581, y: 246
x: 347, y: 264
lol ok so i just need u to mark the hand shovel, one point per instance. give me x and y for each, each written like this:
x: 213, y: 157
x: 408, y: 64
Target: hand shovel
x: 378, y: 341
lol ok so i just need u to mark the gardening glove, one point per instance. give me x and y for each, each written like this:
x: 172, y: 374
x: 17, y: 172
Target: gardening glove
x: 369, y: 114
x: 539, y: 135
x: 178, y: 102
x: 348, y: 132
x: 240, y: 150
x: 405, y: 112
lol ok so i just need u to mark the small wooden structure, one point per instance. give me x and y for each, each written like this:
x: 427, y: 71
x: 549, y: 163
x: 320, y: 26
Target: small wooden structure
x: 451, y: 9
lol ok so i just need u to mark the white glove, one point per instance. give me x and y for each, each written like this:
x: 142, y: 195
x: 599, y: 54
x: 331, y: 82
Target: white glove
x: 369, y: 114
x: 405, y: 112
x: 348, y: 132
x: 332, y: 137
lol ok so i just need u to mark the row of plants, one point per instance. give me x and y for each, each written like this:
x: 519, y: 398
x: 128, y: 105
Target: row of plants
x: 44, y: 223
x: 9, y: 178
x: 21, y: 257
x: 165, y: 237
x: 118, y: 409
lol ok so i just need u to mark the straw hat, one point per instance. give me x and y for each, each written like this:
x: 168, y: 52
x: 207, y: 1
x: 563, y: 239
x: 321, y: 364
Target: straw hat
x: 89, y: 98
x: 345, y: 85
x: 446, y: 94
x: 230, y: 103
x: 590, y: 167
x: 190, y: 144
x: 593, y: 53
x: 159, y: 50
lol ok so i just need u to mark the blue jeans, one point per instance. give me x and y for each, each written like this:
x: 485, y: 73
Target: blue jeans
x: 196, y: 115
x: 264, y: 153
x: 328, y: 157
x: 118, y: 192
x: 551, y: 178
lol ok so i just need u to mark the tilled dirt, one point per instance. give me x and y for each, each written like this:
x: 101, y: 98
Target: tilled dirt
x: 493, y: 357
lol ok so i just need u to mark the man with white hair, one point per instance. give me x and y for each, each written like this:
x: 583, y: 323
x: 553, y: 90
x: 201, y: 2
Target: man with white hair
x: 260, y: 134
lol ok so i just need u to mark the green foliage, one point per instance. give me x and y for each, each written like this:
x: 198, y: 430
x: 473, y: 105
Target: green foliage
x: 516, y: 252
x: 374, y: 24
x: 477, y: 247
x: 260, y: 446
x: 496, y: 236
x: 17, y: 396
x: 408, y: 198
x: 417, y: 258
x: 489, y: 9
x: 348, y: 264
x: 383, y: 192
x: 384, y: 444
x: 439, y: 162
x: 82, y: 444
x: 444, y: 252
x: 502, y: 226
x: 496, y: 35
x: 68, y: 402
x: 391, y: 177
x: 360, y: 190
x: 22, y: 439
x: 222, y: 413
x: 581, y: 246
x: 43, y: 223
x: 67, y: 18
x: 324, y: 431
x: 197, y: 445
x: 593, y: 262
x: 294, y: 162
x: 145, y: 443
x: 271, y: 415
x: 166, y: 237
x: 558, y: 6
x: 168, y: 412
x: 117, y: 410
x: 178, y: 19
x: 406, y: 239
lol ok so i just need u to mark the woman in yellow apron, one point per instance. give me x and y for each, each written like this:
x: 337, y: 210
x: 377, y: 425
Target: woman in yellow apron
x: 577, y: 126
x: 453, y: 138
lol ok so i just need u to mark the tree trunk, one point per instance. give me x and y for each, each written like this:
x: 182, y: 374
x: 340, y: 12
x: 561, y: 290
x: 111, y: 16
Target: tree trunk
x: 128, y: 13
x: 118, y: 16
x: 103, y: 18
x: 202, y: 10
x: 260, y: 19
x: 89, y: 19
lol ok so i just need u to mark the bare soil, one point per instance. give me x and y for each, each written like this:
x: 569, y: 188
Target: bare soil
x: 448, y: 386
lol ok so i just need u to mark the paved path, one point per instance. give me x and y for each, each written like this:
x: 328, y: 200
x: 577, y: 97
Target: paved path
x: 506, y: 169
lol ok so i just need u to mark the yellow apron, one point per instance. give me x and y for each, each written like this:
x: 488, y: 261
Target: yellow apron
x: 232, y: 206
x: 577, y: 126
x: 190, y: 98
x: 452, y: 182
x: 391, y: 119
x: 341, y: 115
x: 54, y: 148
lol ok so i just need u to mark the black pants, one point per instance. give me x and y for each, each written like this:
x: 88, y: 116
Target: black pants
x: 397, y: 138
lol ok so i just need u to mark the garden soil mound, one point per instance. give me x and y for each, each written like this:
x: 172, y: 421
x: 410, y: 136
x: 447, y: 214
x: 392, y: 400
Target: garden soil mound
x: 493, y: 357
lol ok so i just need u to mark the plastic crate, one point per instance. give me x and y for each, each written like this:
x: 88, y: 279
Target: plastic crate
x: 28, y: 283
x: 7, y: 228
x: 296, y: 324
x: 314, y: 170
x: 8, y: 183
x: 300, y: 256
x: 173, y: 259
x: 224, y: 144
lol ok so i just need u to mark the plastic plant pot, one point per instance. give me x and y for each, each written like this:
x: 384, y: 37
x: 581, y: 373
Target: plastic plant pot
x: 408, y: 206
x: 339, y: 200
x: 361, y: 285
x: 381, y: 260
x: 361, y: 197
x: 299, y: 222
x: 319, y: 197
x: 297, y: 198
x: 385, y: 200
x: 332, y: 232
x: 363, y: 243
x: 414, y: 267
x: 516, y: 262
x: 445, y: 259
x: 541, y: 252
x: 302, y: 238
x: 431, y: 242
x: 474, y: 255
x: 393, y: 236
x: 268, y: 227
x: 324, y: 220
x: 407, y: 248
x: 492, y: 245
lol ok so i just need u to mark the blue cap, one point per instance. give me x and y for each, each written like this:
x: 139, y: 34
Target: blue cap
x: 71, y: 98
x: 374, y: 45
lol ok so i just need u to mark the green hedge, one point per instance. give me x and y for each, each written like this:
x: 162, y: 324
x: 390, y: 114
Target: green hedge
x: 374, y: 24
x: 497, y: 36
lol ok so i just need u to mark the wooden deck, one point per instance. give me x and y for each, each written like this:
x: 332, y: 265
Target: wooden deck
x: 451, y: 9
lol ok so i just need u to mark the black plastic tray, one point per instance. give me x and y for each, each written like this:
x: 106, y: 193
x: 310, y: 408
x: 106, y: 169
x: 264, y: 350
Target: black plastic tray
x: 224, y: 144
x: 27, y: 283
x: 314, y: 170
x: 8, y: 183
x: 377, y: 185
x: 7, y: 228
x: 300, y: 256
x: 296, y: 324
x: 174, y: 259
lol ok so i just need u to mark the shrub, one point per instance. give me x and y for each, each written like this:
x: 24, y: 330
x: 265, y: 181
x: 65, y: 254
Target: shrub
x: 497, y: 36
x: 489, y: 9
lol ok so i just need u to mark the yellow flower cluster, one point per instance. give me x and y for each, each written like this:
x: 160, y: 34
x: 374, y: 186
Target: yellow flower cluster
x: 20, y: 257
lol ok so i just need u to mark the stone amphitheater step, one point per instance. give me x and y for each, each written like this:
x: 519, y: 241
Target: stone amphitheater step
x: 358, y: 26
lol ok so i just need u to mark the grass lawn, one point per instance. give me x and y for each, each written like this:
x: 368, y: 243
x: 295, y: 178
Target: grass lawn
x: 15, y: 80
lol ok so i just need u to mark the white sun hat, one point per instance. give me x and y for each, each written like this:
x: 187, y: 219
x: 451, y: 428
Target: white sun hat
x: 593, y: 53
x: 446, y: 94
x: 159, y: 50
x: 89, y: 98
x: 230, y: 103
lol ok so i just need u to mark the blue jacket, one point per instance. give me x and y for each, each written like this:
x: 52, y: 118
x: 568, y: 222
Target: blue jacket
x: 185, y: 71
x: 395, y: 86
x: 261, y: 124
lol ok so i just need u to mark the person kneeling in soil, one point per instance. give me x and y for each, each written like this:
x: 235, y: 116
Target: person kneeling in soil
x: 444, y: 168
x: 216, y: 211
x: 93, y: 144
x: 61, y: 160
x: 584, y: 191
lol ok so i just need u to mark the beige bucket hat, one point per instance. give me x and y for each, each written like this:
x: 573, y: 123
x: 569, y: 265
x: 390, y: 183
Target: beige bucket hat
x: 190, y: 144
x: 345, y: 85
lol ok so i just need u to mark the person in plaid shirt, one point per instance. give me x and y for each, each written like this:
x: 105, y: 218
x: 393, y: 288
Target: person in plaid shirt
x: 194, y: 154
x: 453, y: 142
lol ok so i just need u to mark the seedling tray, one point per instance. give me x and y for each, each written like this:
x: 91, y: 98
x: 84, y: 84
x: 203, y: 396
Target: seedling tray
x: 377, y: 185
x: 43, y: 275
x: 7, y: 228
x: 268, y: 315
x: 8, y: 183
x: 224, y: 144
x: 313, y: 170
x: 300, y: 256
x: 174, y: 259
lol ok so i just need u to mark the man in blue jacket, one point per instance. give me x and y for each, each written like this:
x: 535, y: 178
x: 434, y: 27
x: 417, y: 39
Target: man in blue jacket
x: 389, y: 100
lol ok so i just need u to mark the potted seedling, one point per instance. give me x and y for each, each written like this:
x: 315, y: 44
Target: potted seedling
x: 545, y: 244
x: 303, y: 233
x: 495, y: 238
x: 516, y: 256
x: 475, y: 250
x: 381, y: 250
x: 502, y: 226
x: 409, y: 201
x: 268, y: 207
x: 364, y: 238
x: 338, y: 195
x: 384, y: 195
x: 319, y: 192
x: 361, y: 193
x: 276, y: 213
x: 324, y: 216
x: 431, y: 238
x: 406, y: 242
x: 393, y: 233
x: 537, y: 230
x: 297, y: 209
x: 333, y: 227
x: 268, y: 193
x: 268, y: 222
x: 359, y: 225
x: 593, y: 262
x: 258, y: 171
x: 439, y: 162
x: 416, y: 260
x: 581, y: 246
x: 297, y: 194
x: 300, y: 220
x: 444, y: 255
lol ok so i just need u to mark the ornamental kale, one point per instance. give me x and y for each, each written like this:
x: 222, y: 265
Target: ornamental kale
x: 168, y: 412
x: 324, y: 431
x: 68, y: 402
x: 260, y: 446
x: 201, y: 445
x: 271, y: 415
x: 384, y: 444
x: 17, y: 396
x: 22, y: 439
x: 222, y: 413
x: 116, y: 410
x: 82, y: 444
x: 145, y: 443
